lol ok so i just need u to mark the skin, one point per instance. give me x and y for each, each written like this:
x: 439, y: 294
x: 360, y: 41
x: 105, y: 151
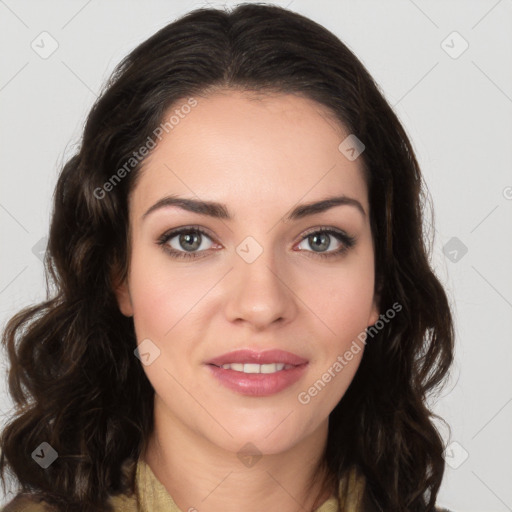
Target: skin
x: 260, y: 156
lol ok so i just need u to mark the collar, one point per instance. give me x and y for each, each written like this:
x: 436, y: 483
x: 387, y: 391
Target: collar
x: 151, y: 496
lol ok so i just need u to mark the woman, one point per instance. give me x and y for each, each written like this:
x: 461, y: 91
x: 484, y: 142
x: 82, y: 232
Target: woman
x: 243, y: 315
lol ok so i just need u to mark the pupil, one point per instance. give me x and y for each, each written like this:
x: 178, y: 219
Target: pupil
x: 316, y: 238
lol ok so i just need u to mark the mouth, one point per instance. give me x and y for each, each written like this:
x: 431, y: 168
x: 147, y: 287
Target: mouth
x: 256, y: 368
x: 254, y: 359
x: 257, y: 373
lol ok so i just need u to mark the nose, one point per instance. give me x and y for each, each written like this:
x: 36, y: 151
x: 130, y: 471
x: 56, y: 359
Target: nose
x: 259, y: 293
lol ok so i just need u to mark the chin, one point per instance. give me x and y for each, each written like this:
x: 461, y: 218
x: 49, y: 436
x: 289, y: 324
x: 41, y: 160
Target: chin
x: 267, y: 436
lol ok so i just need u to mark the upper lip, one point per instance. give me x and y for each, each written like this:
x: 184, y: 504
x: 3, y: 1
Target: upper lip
x: 251, y: 356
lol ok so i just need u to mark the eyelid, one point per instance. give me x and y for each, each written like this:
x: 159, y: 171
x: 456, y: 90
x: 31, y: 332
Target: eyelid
x: 207, y: 232
x: 316, y: 229
x: 187, y: 228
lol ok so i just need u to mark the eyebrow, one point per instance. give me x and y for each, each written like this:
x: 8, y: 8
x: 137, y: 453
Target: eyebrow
x: 220, y: 211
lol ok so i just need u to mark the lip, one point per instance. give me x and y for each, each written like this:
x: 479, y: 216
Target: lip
x: 257, y: 384
x: 251, y: 356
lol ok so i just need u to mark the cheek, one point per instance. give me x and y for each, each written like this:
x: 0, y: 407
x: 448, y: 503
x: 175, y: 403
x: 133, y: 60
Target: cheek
x: 342, y: 298
x: 152, y: 305
x: 163, y: 294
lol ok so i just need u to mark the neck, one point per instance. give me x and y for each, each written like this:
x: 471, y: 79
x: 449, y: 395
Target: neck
x: 201, y: 475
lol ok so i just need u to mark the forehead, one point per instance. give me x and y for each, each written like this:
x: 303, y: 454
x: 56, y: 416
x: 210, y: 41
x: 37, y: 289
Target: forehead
x: 253, y: 150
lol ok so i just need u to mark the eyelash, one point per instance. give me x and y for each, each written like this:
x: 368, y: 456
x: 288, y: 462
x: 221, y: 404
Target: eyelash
x: 346, y: 240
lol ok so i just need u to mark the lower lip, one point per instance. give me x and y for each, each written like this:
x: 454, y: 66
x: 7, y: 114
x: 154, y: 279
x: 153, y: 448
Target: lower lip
x: 258, y: 384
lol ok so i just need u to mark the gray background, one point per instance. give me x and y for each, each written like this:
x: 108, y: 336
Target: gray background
x: 455, y: 105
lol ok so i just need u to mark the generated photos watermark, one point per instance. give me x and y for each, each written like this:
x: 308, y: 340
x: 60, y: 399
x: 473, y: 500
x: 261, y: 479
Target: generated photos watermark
x: 137, y: 156
x: 305, y: 397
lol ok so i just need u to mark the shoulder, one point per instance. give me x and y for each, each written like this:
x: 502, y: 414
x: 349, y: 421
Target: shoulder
x: 27, y: 504
x: 442, y: 509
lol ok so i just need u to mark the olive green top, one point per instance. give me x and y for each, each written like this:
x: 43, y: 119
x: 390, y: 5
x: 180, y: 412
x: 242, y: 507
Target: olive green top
x: 151, y: 496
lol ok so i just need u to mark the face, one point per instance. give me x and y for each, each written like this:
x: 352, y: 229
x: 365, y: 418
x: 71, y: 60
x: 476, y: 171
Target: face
x: 257, y: 276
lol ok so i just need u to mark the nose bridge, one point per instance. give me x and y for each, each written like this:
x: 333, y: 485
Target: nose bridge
x: 258, y: 292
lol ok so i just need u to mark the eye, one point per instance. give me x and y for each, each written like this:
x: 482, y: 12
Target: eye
x: 184, y: 242
x: 321, y: 240
x: 190, y: 242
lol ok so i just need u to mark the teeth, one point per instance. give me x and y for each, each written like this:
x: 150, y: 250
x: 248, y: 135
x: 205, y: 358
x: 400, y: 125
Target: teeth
x: 257, y: 368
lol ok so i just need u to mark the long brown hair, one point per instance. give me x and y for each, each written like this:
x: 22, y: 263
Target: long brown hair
x: 73, y: 375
